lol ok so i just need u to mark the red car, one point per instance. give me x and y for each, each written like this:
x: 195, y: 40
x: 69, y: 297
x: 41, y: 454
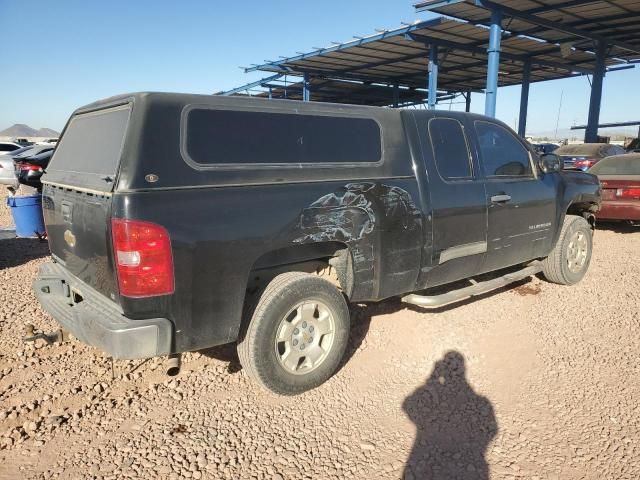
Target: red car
x: 619, y: 177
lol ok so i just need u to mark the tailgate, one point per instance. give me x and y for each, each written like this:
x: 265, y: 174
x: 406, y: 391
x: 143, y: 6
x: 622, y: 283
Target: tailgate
x: 77, y: 195
x: 78, y: 236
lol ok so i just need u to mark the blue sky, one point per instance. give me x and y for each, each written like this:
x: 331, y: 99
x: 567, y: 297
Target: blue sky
x: 63, y: 54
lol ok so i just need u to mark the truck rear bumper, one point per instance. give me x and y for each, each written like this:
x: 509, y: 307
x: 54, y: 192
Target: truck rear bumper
x: 95, y: 320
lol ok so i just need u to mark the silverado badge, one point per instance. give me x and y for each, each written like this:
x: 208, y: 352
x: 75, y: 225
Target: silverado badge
x: 70, y: 238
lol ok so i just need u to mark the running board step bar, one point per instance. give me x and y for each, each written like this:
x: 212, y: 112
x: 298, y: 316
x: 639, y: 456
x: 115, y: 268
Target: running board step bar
x: 435, y: 301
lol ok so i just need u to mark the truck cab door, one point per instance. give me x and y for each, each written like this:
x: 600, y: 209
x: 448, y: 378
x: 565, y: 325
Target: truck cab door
x: 521, y: 201
x: 458, y: 207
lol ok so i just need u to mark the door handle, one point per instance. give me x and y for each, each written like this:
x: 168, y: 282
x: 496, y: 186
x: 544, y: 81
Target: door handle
x: 500, y: 198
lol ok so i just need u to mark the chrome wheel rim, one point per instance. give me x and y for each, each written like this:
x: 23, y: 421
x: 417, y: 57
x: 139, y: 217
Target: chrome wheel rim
x: 577, y: 252
x: 304, y: 337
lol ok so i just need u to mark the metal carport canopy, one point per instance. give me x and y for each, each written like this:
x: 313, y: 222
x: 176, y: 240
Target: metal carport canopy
x: 401, y: 57
x: 610, y: 29
x: 577, y: 23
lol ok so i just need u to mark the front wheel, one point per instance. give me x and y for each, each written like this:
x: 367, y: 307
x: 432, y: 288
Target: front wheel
x: 296, y: 335
x: 569, y: 260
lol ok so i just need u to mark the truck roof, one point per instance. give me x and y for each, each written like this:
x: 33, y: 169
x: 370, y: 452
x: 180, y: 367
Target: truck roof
x: 157, y: 129
x: 203, y: 99
x: 247, y: 101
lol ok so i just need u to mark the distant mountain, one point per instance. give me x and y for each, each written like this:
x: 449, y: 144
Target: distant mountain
x: 48, y: 132
x: 22, y: 130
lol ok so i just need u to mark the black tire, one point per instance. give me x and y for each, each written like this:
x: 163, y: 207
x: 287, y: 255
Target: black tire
x: 257, y: 347
x: 556, y: 267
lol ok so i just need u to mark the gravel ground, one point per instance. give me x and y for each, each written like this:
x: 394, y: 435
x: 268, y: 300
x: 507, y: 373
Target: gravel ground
x: 535, y: 382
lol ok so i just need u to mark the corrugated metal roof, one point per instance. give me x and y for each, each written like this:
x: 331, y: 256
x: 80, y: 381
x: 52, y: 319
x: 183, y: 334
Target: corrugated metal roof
x: 615, y: 21
x: 400, y: 56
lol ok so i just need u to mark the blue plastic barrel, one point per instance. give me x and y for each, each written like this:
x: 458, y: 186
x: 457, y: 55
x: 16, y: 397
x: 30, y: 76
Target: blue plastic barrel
x: 27, y: 215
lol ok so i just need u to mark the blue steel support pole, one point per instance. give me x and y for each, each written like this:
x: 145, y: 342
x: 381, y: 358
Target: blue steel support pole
x: 467, y: 102
x: 591, y: 132
x: 524, y: 98
x: 306, y: 94
x: 433, y: 76
x: 396, y: 95
x: 493, y: 63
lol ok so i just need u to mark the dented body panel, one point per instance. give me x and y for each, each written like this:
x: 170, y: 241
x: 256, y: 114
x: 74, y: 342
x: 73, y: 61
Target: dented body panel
x: 400, y: 225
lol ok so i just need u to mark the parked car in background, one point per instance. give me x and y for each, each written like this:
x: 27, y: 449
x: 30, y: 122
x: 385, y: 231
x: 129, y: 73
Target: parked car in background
x: 13, y: 153
x: 30, y: 169
x: 30, y: 151
x: 7, y: 169
x: 22, y: 141
x: 7, y: 172
x: 543, y: 148
x: 619, y: 177
x: 48, y: 141
x: 28, y: 164
x: 8, y: 147
x: 633, y: 146
x: 586, y: 155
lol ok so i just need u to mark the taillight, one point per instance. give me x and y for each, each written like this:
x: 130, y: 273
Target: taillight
x: 142, y: 253
x: 31, y: 167
x: 588, y: 163
x: 633, y: 192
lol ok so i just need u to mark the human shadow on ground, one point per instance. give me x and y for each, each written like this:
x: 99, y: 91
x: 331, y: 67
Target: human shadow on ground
x: 454, y: 425
x: 18, y: 251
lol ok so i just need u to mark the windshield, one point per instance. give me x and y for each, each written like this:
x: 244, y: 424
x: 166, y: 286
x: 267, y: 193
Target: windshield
x: 88, y: 153
x: 618, y: 165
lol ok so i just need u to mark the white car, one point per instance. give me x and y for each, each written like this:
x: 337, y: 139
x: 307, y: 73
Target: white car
x: 7, y: 172
x: 8, y: 147
x: 7, y: 168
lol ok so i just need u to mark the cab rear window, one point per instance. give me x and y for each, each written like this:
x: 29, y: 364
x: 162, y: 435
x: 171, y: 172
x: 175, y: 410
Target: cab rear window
x: 89, y: 151
x: 224, y: 137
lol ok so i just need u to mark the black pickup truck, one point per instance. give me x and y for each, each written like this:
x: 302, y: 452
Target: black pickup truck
x: 178, y: 222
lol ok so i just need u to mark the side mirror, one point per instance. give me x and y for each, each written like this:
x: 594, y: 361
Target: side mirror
x: 550, y: 162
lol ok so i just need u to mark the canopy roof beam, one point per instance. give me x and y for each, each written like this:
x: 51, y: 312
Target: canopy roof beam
x: 249, y: 86
x: 591, y: 133
x: 524, y: 99
x: 510, y: 56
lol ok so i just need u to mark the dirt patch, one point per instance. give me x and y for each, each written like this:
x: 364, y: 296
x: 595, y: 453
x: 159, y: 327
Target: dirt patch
x: 530, y: 288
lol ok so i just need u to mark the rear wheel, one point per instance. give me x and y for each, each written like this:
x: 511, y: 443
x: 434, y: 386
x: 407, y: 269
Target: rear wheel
x: 296, y: 334
x: 569, y: 260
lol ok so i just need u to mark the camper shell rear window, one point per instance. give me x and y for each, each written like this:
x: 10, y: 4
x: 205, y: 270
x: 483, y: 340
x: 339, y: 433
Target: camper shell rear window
x: 88, y: 154
x: 232, y: 138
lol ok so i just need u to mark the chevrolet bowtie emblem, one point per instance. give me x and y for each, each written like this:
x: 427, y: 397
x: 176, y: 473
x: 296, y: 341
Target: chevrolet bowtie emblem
x: 70, y: 238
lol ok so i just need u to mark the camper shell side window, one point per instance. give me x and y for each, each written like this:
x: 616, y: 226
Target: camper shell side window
x: 225, y: 138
